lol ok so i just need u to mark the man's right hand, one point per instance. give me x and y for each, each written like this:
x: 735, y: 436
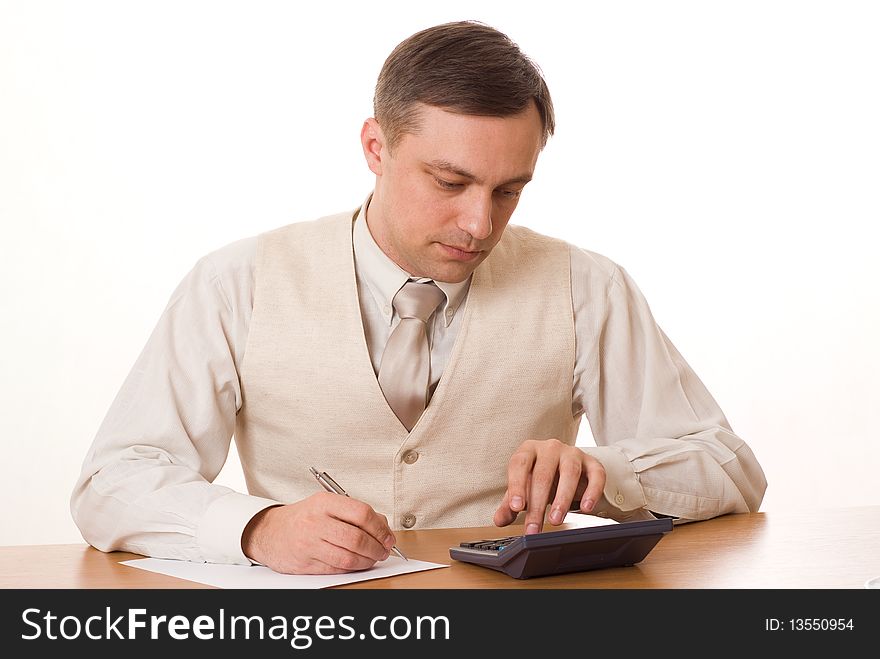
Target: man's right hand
x: 324, y: 534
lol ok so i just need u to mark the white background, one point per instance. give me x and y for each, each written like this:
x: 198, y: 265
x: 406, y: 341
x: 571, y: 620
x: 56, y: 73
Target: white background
x: 725, y: 153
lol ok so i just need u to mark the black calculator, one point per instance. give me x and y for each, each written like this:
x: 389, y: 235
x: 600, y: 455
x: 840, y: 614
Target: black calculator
x: 569, y: 550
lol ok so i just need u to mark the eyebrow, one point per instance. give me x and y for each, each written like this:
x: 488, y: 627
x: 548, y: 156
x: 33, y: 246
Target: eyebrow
x: 446, y: 166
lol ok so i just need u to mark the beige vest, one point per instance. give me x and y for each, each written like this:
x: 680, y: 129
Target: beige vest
x: 311, y: 397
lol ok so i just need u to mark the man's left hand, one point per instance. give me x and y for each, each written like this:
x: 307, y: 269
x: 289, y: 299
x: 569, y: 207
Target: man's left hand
x: 541, y: 469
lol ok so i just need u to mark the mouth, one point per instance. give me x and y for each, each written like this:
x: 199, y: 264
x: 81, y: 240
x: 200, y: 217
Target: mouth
x: 458, y: 253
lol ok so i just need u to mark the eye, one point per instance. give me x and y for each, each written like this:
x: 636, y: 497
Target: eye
x: 509, y: 194
x: 446, y: 185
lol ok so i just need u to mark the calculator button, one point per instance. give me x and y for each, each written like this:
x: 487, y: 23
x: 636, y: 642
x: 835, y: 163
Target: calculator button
x: 489, y: 545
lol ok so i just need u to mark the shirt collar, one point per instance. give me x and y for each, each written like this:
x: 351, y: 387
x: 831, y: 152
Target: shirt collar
x: 384, y: 277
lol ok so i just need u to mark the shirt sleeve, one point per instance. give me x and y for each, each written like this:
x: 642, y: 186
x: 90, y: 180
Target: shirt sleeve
x: 146, y: 482
x: 666, y: 446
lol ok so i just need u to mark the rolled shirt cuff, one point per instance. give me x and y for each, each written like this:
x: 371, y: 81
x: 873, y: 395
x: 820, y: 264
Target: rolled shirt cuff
x: 219, y: 534
x: 624, y: 498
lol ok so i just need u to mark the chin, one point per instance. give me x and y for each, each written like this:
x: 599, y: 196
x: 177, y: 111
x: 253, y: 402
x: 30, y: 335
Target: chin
x: 451, y: 279
x: 452, y: 275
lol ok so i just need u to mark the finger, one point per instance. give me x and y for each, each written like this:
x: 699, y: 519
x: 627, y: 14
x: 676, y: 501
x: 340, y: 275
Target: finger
x: 503, y: 514
x: 354, y: 539
x: 359, y: 514
x: 313, y: 566
x: 519, y: 470
x: 570, y: 469
x: 595, y: 485
x: 540, y: 486
x: 343, y: 559
x: 308, y: 553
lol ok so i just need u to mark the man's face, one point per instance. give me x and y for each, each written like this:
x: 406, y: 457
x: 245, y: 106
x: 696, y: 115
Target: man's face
x: 444, y: 196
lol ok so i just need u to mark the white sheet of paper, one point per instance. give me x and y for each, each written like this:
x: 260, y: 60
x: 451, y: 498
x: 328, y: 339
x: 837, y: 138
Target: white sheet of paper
x: 584, y: 520
x: 258, y: 576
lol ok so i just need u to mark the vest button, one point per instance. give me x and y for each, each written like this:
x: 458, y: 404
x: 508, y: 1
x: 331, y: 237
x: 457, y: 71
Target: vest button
x: 410, y: 457
x: 408, y: 521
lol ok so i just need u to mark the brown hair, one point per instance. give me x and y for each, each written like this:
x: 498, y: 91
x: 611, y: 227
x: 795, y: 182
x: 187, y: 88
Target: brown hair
x: 465, y: 67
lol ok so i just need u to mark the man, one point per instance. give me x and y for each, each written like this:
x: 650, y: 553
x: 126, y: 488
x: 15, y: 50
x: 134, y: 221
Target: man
x: 434, y: 360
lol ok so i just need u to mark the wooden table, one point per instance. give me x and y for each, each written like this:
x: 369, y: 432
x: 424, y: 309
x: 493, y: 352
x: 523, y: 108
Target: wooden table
x: 808, y: 549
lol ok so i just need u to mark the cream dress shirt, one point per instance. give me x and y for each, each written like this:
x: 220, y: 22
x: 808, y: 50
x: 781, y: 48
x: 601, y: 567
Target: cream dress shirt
x: 177, y: 408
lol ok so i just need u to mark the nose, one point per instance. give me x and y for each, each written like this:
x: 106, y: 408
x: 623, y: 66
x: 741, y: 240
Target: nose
x: 476, y: 216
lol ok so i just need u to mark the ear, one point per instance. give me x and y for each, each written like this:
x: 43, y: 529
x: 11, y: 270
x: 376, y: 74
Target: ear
x: 373, y: 144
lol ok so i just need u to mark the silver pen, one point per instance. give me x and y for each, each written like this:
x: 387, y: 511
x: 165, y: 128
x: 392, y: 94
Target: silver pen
x: 332, y: 486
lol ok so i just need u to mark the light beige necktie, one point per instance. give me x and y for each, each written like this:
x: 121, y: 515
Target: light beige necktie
x: 406, y: 362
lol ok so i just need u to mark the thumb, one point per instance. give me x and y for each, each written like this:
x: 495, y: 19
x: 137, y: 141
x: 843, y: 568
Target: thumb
x: 503, y: 514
